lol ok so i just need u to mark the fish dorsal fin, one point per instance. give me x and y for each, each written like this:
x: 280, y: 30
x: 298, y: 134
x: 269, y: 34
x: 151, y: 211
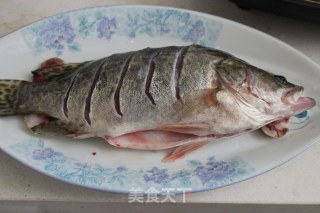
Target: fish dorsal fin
x: 53, y: 68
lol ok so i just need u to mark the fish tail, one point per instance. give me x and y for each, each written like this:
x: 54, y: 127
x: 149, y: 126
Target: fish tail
x: 9, y: 90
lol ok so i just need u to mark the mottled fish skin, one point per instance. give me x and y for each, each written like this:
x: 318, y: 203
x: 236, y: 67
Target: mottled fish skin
x: 148, y: 97
x: 150, y: 89
x: 133, y: 91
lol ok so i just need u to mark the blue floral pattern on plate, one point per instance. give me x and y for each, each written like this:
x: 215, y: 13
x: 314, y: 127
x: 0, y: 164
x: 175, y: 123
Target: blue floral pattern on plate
x: 299, y: 121
x: 67, y: 31
x: 199, y: 175
x: 55, y: 34
x: 195, y: 34
x: 106, y: 27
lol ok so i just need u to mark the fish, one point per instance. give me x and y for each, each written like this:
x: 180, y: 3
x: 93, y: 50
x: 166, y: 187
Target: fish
x: 173, y: 97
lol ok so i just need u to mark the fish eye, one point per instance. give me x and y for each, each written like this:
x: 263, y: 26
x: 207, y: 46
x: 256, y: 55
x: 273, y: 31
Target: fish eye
x: 281, y: 79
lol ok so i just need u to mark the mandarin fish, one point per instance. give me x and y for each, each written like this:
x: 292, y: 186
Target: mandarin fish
x: 178, y: 97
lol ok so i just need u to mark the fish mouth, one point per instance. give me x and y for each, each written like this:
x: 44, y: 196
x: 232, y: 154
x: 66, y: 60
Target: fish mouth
x: 293, y: 95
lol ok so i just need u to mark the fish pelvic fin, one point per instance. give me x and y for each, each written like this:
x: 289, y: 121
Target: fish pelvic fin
x: 54, y: 68
x: 9, y: 90
x: 182, y: 151
x: 42, y: 124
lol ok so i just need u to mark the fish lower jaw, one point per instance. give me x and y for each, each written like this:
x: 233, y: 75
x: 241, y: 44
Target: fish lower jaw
x: 284, y: 110
x: 303, y: 104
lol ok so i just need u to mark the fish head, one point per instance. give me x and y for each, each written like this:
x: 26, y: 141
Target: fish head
x: 271, y: 93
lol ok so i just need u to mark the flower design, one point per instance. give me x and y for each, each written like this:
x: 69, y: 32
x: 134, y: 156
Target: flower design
x: 183, y: 176
x: 68, y: 31
x: 121, y: 169
x: 218, y: 171
x: 196, y: 32
x: 156, y: 175
x: 44, y: 154
x: 82, y: 166
x: 56, y: 33
x: 118, y: 175
x: 197, y: 175
x: 106, y: 27
x: 85, y: 27
x: 163, y: 30
x: 157, y: 22
x: 84, y: 173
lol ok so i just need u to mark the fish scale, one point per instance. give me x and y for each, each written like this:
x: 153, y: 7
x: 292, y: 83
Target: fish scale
x: 102, y: 100
x: 133, y: 94
x: 79, y: 92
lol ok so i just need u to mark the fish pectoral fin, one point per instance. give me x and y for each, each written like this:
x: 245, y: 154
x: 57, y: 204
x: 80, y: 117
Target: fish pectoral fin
x: 42, y: 124
x: 149, y: 140
x: 33, y: 120
x: 157, y: 140
x: 52, y: 68
x: 182, y: 151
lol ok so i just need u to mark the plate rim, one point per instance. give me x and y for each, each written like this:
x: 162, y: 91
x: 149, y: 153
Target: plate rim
x: 207, y: 15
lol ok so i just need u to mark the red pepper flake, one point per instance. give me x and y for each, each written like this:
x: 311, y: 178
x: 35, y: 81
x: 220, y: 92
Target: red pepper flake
x: 117, y: 145
x: 93, y: 153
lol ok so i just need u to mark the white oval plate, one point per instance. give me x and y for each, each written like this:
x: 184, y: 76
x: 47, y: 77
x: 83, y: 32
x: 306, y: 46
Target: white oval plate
x: 97, y: 32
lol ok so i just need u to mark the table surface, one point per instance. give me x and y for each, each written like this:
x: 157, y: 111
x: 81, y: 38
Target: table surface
x: 296, y: 182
